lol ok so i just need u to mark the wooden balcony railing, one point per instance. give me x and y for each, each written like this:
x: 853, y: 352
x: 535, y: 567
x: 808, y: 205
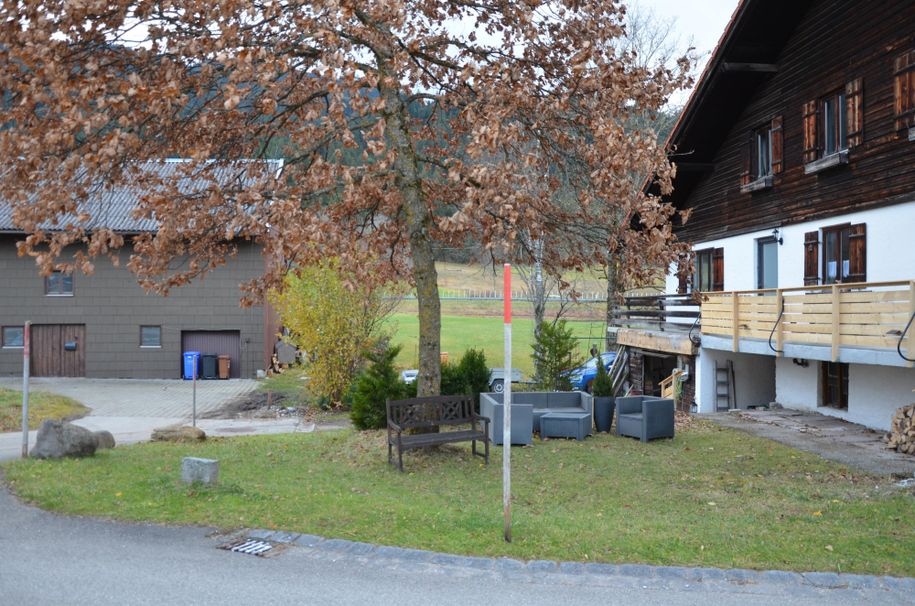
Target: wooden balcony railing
x: 862, y: 315
x: 657, y: 312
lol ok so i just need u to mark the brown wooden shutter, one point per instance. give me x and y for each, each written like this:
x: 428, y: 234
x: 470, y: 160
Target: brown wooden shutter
x: 746, y: 176
x: 811, y: 143
x: 811, y: 258
x: 857, y: 253
x: 718, y: 269
x: 777, y: 145
x: 904, y: 88
x: 682, y: 274
x: 854, y: 108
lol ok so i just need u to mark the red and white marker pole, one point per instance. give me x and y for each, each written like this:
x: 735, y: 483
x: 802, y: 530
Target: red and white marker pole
x: 26, y: 346
x: 507, y: 408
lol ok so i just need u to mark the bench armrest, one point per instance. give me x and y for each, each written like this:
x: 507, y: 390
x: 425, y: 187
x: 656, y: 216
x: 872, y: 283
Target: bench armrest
x: 395, y: 426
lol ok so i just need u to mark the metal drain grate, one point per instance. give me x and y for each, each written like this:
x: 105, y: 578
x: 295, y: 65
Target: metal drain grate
x: 250, y: 547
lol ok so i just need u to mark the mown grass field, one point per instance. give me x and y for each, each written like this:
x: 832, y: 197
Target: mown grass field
x: 41, y: 406
x: 710, y: 497
x: 460, y: 333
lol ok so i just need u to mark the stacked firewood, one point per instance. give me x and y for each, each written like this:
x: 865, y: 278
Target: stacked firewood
x: 902, y: 430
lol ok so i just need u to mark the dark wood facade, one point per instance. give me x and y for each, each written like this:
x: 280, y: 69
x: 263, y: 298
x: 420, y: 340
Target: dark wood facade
x: 838, y: 46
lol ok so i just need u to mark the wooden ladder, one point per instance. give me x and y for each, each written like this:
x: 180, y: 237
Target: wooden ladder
x: 725, y: 394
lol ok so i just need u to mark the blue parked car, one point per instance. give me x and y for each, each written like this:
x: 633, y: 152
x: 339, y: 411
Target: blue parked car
x: 582, y: 376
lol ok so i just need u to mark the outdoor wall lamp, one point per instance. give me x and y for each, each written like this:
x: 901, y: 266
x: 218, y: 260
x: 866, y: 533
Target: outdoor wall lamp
x: 801, y: 362
x: 778, y: 239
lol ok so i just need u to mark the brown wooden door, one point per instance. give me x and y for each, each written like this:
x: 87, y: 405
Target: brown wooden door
x: 58, y: 350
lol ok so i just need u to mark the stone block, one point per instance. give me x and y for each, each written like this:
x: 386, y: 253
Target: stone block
x: 194, y: 469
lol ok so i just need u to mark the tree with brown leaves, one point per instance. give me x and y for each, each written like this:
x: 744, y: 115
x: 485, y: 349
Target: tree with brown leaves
x: 403, y: 124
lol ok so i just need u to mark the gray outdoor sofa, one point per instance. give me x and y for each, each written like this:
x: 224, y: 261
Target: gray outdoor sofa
x: 541, y: 403
x: 645, y: 417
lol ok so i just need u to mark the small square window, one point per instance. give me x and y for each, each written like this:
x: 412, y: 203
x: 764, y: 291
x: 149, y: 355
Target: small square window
x: 150, y: 336
x: 13, y: 337
x: 59, y: 284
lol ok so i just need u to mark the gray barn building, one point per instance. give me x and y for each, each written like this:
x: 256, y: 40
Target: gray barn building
x: 106, y: 326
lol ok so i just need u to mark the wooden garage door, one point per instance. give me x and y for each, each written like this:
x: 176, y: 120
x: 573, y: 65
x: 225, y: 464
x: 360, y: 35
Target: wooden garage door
x: 50, y: 355
x: 220, y: 342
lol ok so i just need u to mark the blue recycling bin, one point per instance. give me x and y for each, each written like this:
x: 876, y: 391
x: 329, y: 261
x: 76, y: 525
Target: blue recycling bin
x: 191, y: 360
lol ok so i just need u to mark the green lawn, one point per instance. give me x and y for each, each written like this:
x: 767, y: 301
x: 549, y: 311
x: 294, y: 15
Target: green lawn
x: 711, y: 497
x: 460, y: 333
x: 41, y: 406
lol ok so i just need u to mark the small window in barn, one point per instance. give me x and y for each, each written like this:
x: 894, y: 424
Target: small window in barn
x: 13, y: 337
x: 59, y: 284
x: 762, y: 152
x: 150, y: 336
x: 763, y: 157
x: 835, y: 124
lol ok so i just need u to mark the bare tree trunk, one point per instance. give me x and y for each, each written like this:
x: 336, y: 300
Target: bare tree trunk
x: 614, y: 293
x: 419, y: 225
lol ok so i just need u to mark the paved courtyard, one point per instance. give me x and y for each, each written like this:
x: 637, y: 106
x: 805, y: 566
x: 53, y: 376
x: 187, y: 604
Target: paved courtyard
x: 132, y: 408
x: 140, y: 397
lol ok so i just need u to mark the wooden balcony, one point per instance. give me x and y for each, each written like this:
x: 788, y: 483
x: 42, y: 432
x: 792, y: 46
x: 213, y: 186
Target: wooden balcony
x: 667, y: 323
x: 820, y: 322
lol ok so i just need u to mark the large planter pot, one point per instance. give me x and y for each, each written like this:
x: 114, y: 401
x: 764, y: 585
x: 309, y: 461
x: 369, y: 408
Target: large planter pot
x: 603, y: 413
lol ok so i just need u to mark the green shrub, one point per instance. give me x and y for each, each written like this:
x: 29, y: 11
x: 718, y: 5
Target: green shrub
x: 553, y: 354
x: 602, y: 386
x: 377, y: 383
x: 469, y: 376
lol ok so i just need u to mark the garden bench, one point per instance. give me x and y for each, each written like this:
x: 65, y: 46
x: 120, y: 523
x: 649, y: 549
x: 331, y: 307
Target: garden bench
x: 442, y: 416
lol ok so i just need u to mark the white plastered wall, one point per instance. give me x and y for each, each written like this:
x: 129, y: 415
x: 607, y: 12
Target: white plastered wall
x: 890, y: 250
x: 874, y: 391
x: 754, y: 378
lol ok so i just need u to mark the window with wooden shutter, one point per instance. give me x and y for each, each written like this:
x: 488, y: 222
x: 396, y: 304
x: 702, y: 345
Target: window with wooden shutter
x: 718, y: 269
x: 811, y: 141
x: 682, y: 274
x: 777, y: 145
x: 854, y: 109
x: 904, y: 86
x: 746, y: 173
x: 812, y: 258
x: 857, y: 253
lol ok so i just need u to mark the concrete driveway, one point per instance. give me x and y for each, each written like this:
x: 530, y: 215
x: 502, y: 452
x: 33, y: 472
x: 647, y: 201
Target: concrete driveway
x: 140, y: 397
x: 132, y: 408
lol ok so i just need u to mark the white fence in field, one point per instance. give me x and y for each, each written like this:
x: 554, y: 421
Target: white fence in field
x: 469, y: 294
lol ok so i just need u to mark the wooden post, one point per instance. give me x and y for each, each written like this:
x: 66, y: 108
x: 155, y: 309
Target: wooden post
x: 507, y: 408
x: 780, y: 328
x: 835, y: 322
x: 910, y: 343
x: 735, y: 318
x: 26, y: 357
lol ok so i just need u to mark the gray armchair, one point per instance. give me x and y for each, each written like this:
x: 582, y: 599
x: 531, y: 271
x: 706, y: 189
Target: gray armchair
x: 645, y: 417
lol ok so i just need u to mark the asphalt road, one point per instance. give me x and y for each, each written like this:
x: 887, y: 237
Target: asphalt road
x: 51, y: 559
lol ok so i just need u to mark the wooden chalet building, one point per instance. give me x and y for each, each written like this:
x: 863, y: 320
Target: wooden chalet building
x: 796, y: 157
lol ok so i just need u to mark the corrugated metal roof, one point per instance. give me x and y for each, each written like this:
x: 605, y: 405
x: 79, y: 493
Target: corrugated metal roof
x: 112, y: 206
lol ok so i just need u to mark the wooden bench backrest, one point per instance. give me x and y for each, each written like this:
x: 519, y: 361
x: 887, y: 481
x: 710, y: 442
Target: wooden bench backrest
x: 429, y: 412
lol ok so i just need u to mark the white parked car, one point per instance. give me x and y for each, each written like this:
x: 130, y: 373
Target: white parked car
x: 409, y: 376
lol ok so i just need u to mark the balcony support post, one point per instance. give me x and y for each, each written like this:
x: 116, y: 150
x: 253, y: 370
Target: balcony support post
x: 735, y: 318
x: 780, y: 327
x: 910, y: 343
x: 835, y: 322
